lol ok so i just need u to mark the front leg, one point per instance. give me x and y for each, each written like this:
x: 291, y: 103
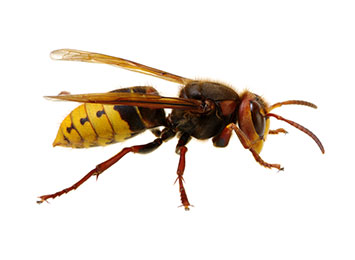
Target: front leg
x: 224, y: 137
x: 277, y: 131
x: 222, y: 140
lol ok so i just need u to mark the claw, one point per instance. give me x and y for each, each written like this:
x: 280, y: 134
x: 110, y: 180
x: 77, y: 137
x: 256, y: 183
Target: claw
x: 186, y: 207
x: 41, y: 200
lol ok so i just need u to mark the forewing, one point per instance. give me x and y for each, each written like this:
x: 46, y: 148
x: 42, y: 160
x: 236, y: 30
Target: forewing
x: 84, y: 56
x: 135, y: 99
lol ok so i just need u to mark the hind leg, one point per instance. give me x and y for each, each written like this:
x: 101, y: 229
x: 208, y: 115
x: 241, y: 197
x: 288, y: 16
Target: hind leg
x: 100, y: 168
x: 181, y: 149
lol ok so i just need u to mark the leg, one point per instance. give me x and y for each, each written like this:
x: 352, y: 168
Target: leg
x: 263, y: 163
x: 223, y: 138
x: 277, y: 131
x: 182, y: 149
x: 180, y: 171
x: 156, y: 132
x: 247, y: 144
x: 146, y: 148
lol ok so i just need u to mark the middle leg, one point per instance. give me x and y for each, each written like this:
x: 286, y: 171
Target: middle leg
x: 181, y: 149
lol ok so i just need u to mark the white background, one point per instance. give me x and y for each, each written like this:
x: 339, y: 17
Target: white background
x: 279, y: 49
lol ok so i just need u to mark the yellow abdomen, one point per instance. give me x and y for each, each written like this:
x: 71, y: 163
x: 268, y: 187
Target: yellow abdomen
x: 92, y: 125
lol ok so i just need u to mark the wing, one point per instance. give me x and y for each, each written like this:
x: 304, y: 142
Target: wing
x: 137, y: 99
x: 77, y: 55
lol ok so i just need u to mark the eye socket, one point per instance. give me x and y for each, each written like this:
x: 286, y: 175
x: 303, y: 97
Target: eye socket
x: 258, y: 118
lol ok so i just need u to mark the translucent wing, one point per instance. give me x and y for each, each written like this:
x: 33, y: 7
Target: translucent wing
x: 136, y: 99
x: 77, y: 55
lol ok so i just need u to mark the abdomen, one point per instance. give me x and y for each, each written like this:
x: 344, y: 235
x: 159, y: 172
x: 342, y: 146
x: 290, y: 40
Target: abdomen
x: 91, y: 124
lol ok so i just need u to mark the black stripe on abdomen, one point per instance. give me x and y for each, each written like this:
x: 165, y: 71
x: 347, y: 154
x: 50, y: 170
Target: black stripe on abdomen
x: 129, y: 114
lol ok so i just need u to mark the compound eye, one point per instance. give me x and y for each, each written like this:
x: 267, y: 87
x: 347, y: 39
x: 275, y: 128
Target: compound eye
x: 258, y: 118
